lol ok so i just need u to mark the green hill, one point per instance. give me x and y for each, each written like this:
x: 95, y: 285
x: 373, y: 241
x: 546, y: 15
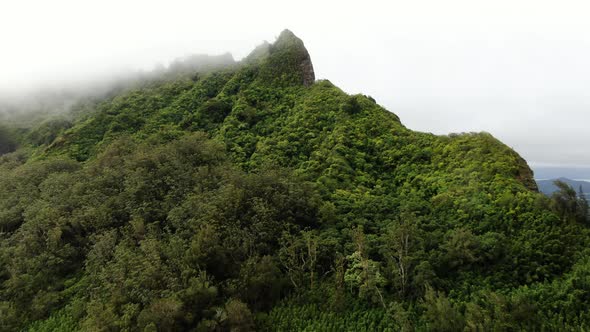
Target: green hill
x: 248, y: 196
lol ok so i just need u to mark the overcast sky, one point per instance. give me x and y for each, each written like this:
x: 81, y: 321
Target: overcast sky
x: 517, y: 69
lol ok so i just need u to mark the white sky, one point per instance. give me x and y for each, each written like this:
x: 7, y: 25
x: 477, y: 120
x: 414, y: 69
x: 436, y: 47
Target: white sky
x: 517, y: 69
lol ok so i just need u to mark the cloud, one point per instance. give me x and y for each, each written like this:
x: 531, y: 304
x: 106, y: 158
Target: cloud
x: 517, y: 69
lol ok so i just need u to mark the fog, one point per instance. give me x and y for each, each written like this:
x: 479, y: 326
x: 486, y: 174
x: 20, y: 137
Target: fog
x: 516, y: 69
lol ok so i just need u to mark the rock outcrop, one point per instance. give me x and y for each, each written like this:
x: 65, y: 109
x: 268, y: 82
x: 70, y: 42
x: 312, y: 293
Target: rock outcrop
x: 285, y: 62
x: 287, y: 39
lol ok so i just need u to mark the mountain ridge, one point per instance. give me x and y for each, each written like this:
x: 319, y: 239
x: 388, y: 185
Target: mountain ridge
x: 253, y: 197
x: 287, y: 60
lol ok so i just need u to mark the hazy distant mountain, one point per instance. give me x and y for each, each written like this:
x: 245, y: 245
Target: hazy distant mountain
x: 548, y: 187
x: 555, y: 172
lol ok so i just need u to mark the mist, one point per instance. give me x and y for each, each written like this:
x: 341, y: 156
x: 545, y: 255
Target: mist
x: 518, y: 70
x: 27, y: 107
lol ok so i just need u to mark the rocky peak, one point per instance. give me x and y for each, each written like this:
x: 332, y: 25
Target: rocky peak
x: 286, y: 61
x: 288, y: 39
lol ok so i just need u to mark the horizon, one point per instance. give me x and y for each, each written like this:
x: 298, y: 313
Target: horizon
x: 554, y: 172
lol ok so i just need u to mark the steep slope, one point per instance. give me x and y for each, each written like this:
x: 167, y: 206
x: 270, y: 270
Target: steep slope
x: 238, y: 197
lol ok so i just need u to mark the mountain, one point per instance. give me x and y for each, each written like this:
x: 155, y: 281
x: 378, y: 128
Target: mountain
x: 250, y: 196
x: 548, y: 187
x: 554, y: 172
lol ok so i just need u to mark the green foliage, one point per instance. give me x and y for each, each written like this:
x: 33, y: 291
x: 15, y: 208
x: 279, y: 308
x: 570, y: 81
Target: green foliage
x: 8, y: 142
x: 568, y: 204
x: 247, y: 198
x: 311, y: 317
x: 178, y: 213
x: 440, y: 314
x: 363, y: 275
x: 47, y: 131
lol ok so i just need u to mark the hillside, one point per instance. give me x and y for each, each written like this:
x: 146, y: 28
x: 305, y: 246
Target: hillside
x: 249, y: 196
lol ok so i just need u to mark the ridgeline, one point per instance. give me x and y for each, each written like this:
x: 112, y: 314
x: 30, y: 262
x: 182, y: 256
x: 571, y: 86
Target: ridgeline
x: 233, y: 196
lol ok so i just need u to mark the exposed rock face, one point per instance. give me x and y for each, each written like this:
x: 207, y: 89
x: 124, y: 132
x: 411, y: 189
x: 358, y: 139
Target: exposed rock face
x: 526, y: 176
x: 288, y: 39
x: 286, y: 61
x: 307, y: 69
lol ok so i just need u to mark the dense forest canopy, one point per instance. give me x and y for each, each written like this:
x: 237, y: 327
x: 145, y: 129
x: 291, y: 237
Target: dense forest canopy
x: 248, y: 196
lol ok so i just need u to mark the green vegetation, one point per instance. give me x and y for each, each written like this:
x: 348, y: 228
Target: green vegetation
x: 245, y: 199
x: 8, y: 141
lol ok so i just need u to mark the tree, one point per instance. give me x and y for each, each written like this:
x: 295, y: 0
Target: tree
x: 567, y: 204
x: 239, y: 316
x: 401, y: 316
x: 440, y: 314
x: 461, y: 247
x: 7, y: 141
x: 261, y: 282
x: 299, y: 255
x: 583, y: 207
x: 163, y: 314
x: 311, y: 245
x: 363, y: 274
x: 401, y: 243
x: 339, y: 283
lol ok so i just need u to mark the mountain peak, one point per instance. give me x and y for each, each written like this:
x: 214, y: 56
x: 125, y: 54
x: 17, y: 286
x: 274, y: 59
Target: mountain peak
x: 287, y: 36
x: 288, y: 41
x: 286, y: 61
